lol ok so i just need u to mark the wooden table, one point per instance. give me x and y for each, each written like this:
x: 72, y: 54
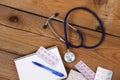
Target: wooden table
x: 22, y: 33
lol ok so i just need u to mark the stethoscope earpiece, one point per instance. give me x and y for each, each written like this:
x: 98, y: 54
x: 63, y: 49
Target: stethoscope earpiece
x: 56, y: 14
x: 45, y: 26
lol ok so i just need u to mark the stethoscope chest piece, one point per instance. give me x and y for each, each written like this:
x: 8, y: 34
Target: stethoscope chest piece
x: 69, y: 57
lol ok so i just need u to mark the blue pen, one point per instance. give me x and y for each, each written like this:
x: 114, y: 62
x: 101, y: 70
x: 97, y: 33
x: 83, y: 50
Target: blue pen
x: 49, y: 69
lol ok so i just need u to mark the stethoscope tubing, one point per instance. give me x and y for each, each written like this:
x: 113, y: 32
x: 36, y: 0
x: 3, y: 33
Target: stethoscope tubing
x: 68, y: 44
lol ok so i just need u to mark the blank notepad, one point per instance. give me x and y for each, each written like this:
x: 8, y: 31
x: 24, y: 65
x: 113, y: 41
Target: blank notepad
x: 28, y: 71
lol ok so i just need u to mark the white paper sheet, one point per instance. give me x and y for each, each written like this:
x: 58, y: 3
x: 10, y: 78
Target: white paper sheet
x: 28, y: 71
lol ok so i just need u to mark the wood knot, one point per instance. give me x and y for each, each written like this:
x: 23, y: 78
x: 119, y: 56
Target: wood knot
x: 14, y: 19
x: 100, y: 2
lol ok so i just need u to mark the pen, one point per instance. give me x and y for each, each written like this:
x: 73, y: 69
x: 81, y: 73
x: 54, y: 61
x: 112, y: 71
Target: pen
x: 49, y: 69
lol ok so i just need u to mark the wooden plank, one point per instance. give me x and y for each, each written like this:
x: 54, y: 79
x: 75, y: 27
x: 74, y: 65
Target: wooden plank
x: 7, y: 67
x: 22, y: 42
x: 30, y: 40
x: 15, y: 47
x: 25, y: 22
x: 104, y: 10
x: 49, y: 6
x: 110, y: 14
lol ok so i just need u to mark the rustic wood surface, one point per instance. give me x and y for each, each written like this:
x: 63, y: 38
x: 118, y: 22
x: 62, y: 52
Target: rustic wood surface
x: 21, y: 32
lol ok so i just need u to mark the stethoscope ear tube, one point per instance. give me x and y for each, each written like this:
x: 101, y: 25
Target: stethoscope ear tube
x: 68, y: 44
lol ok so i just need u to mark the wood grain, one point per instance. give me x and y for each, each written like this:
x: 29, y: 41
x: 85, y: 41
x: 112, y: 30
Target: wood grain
x: 22, y: 33
x: 26, y: 23
x: 34, y: 40
x: 7, y: 67
x: 105, y: 10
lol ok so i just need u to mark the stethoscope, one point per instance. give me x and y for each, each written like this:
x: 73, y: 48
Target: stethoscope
x: 70, y: 56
